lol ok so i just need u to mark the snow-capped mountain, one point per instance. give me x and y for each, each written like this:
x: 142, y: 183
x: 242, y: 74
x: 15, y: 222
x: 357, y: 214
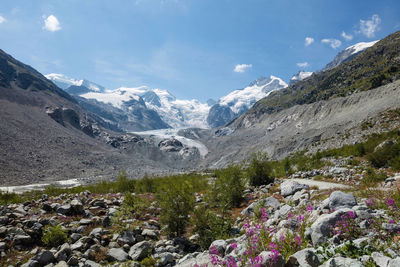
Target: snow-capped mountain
x: 349, y: 53
x: 65, y: 82
x: 176, y: 113
x: 301, y: 75
x: 239, y: 101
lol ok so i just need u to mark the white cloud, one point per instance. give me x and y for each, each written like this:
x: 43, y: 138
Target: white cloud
x: 334, y: 43
x: 308, y: 41
x: 370, y: 27
x: 242, y: 67
x: 52, y: 24
x: 347, y: 37
x: 303, y: 64
x: 2, y: 19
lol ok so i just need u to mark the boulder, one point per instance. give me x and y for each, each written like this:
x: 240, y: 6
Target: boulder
x: 127, y: 238
x: 117, y: 254
x: 269, y: 259
x: 164, y: 258
x: 342, y: 262
x: 44, y: 257
x: 338, y: 200
x: 394, y: 262
x: 288, y: 188
x: 77, y: 206
x: 220, y: 246
x: 140, y: 250
x: 65, y: 209
x: 303, y: 258
x: 380, y: 260
x: 321, y: 228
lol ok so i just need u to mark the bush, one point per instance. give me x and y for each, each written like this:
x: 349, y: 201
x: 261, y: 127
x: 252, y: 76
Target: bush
x: 210, y: 226
x: 259, y: 172
x: 177, y: 201
x: 371, y: 177
x: 123, y: 184
x: 228, y: 187
x: 54, y: 236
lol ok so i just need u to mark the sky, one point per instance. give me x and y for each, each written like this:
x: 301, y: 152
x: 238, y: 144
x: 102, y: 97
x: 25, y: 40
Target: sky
x: 193, y: 48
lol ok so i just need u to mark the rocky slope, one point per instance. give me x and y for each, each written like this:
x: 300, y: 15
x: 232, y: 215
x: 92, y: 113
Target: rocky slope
x: 376, y: 66
x: 300, y: 127
x: 46, y: 135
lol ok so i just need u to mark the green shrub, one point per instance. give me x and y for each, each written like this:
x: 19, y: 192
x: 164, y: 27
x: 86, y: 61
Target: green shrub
x: 148, y: 262
x: 228, y: 187
x: 210, y: 226
x: 176, y: 200
x: 259, y: 171
x: 54, y: 236
x: 371, y: 177
x: 123, y: 184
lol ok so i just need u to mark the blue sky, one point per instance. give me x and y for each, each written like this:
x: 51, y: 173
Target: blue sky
x: 193, y: 48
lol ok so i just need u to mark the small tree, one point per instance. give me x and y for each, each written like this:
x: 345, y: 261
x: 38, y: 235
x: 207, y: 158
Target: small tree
x: 228, y: 187
x: 210, y: 226
x: 259, y: 171
x: 177, y: 201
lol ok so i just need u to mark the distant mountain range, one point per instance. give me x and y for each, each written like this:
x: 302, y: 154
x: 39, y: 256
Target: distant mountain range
x: 142, y: 108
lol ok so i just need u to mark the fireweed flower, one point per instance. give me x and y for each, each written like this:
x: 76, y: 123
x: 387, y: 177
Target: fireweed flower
x: 300, y: 218
x: 310, y: 208
x: 391, y: 221
x: 264, y: 215
x: 390, y: 202
x: 234, y: 246
x: 351, y: 214
x: 297, y: 240
x: 290, y: 216
x: 370, y: 202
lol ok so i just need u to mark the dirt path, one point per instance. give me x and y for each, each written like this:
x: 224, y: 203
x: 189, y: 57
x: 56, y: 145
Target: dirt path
x: 320, y: 184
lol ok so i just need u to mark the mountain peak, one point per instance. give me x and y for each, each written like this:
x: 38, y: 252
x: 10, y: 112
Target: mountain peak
x: 301, y: 75
x: 349, y: 53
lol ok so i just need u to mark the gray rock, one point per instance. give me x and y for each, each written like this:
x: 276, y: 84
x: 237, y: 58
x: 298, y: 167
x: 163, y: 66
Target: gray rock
x: 3, y: 220
x: 44, y: 257
x: 394, y: 262
x: 77, y: 206
x: 85, y: 222
x: 64, y: 209
x: 78, y: 245
x: 342, y: 262
x: 288, y: 188
x: 73, y: 261
x: 380, y: 260
x: 164, y: 258
x: 61, y: 264
x: 90, y: 263
x: 220, y: 245
x: 321, y: 228
x: 127, y: 238
x: 150, y: 233
x: 75, y: 237
x: 391, y: 227
x: 140, y: 250
x: 269, y: 260
x: 22, y: 239
x: 338, y: 199
x: 31, y: 263
x: 117, y: 254
x: 303, y: 258
x: 96, y: 232
x: 199, y: 259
